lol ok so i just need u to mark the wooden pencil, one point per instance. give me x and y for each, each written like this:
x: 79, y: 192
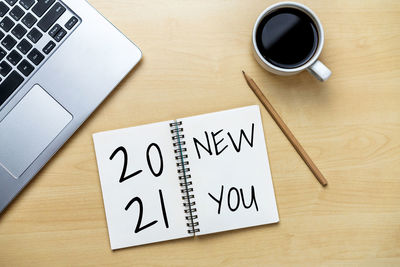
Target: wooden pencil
x: 253, y: 86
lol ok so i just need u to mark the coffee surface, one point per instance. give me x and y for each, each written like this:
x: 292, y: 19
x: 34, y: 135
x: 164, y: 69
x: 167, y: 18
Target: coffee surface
x: 287, y: 38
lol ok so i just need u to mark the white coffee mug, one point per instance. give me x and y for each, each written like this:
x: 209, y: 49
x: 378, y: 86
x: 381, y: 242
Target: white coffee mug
x: 313, y: 65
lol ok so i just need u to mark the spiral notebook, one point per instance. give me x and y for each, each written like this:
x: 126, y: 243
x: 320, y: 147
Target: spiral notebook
x: 191, y: 176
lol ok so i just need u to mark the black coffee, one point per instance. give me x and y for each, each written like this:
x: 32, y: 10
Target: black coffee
x: 287, y: 38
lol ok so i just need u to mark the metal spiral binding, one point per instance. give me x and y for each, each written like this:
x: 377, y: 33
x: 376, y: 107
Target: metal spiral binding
x: 182, y: 164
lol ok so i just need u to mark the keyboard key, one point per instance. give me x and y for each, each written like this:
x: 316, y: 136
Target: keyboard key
x: 54, y: 30
x: 60, y: 34
x: 49, y: 47
x: 3, y: 9
x: 19, y: 31
x: 3, y: 53
x: 24, y: 46
x: 16, y: 13
x: 6, y: 24
x: 2, y: 35
x: 71, y: 23
x: 27, y: 3
x: 34, y: 35
x: 14, y: 57
x: 5, y: 68
x: 41, y: 7
x: 25, y: 67
x: 8, y: 42
x: 11, y: 2
x: 48, y: 20
x: 35, y: 56
x: 29, y: 20
x: 9, y: 85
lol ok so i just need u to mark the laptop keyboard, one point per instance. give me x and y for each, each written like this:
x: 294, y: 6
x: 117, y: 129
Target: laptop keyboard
x: 30, y: 30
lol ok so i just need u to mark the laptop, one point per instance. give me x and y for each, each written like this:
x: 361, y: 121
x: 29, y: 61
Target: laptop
x: 58, y: 61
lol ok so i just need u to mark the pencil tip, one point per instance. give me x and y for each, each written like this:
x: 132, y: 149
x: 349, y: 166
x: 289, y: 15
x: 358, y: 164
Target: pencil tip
x: 243, y: 71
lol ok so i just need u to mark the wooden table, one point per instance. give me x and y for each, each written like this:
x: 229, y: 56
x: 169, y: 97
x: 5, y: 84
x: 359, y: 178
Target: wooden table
x: 194, y: 52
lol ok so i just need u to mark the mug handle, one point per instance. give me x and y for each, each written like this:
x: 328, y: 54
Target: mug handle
x: 319, y: 71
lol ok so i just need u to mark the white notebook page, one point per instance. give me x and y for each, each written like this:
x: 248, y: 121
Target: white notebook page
x: 145, y: 185
x: 240, y: 175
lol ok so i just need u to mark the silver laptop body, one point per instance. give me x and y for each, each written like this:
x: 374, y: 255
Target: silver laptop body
x: 60, y: 60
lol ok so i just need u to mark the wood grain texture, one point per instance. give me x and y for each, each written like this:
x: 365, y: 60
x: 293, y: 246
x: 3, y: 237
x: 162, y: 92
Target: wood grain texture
x: 194, y: 52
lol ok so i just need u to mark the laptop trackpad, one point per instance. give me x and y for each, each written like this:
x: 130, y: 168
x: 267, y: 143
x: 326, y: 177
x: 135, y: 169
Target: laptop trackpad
x: 29, y: 128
